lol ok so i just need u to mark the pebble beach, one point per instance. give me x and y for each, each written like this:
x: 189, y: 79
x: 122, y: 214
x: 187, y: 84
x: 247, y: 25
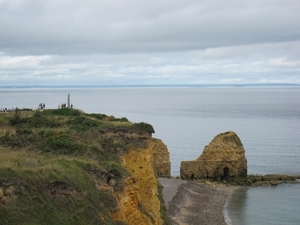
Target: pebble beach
x: 193, y: 203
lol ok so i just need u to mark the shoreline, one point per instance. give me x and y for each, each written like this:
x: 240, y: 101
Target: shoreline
x: 193, y: 203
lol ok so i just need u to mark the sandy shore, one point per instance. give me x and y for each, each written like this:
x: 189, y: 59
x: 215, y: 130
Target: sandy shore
x: 193, y: 203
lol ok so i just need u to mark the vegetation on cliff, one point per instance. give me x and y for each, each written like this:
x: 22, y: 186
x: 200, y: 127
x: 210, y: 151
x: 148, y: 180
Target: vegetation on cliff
x: 63, y: 166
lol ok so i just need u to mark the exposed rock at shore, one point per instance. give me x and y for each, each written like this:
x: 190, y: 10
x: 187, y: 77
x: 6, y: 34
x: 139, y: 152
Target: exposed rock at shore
x: 223, y: 158
x: 268, y: 179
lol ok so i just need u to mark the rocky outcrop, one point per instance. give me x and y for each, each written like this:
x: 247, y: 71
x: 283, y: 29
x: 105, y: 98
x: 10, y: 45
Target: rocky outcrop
x: 161, y: 159
x: 270, y: 179
x: 138, y: 201
x: 224, y: 157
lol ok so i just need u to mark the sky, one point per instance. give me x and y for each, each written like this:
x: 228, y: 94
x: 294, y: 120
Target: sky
x: 149, y: 42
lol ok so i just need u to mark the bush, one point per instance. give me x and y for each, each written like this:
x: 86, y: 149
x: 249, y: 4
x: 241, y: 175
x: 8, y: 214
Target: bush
x: 108, y: 118
x: 122, y: 119
x: 82, y: 123
x: 143, y: 127
x: 79, y: 127
x: 39, y: 120
x: 108, y: 200
x: 62, y: 112
x: 97, y: 116
x: 90, y: 123
x: 26, y: 109
x: 58, y: 142
x: 22, y: 138
x: 16, y: 119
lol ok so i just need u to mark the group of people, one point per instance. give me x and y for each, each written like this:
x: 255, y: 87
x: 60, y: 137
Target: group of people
x: 42, y: 106
x: 3, y: 110
x: 64, y: 105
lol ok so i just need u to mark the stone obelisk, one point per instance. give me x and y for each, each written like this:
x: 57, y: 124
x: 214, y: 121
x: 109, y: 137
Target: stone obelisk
x: 69, y: 101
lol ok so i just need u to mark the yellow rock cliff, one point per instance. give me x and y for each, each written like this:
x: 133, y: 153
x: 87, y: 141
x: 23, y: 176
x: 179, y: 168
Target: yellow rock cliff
x: 138, y: 201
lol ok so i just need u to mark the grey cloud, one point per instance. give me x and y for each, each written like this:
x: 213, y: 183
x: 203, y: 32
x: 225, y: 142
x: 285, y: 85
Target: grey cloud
x: 130, y: 41
x: 87, y: 27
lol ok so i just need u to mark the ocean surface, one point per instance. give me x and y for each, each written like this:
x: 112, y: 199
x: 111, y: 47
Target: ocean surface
x: 267, y: 120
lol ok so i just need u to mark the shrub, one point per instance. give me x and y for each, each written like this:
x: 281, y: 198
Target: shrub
x: 97, y: 116
x: 76, y: 120
x: 23, y: 131
x: 90, y: 123
x: 62, y: 112
x: 16, y: 119
x: 39, y: 120
x: 58, y: 142
x: 22, y: 138
x: 82, y: 123
x: 122, y: 119
x: 108, y: 200
x: 143, y: 127
x: 108, y: 118
x: 25, y: 109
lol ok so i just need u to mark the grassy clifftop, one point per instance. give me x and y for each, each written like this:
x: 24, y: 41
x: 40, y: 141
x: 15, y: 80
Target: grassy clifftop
x: 62, y: 166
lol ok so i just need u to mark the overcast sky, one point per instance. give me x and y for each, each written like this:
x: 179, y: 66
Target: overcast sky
x: 106, y: 42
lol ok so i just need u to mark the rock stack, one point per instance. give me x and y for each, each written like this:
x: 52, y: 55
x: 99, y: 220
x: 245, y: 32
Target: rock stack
x: 161, y: 159
x: 223, y: 158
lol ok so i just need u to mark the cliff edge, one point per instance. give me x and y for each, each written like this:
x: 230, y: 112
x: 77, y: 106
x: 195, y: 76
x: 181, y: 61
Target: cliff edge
x: 67, y: 167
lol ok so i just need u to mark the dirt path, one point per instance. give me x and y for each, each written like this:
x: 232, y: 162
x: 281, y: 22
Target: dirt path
x: 192, y: 203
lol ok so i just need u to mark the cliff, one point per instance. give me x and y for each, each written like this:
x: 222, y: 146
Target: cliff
x: 68, y: 167
x: 138, y: 201
x: 223, y: 158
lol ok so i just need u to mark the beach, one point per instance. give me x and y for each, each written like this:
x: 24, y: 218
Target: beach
x: 193, y: 203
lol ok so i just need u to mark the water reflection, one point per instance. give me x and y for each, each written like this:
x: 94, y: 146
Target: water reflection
x: 274, y: 205
x: 236, y: 207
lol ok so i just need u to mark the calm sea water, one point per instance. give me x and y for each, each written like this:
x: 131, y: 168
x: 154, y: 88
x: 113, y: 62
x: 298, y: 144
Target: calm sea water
x: 267, y: 120
x: 273, y: 205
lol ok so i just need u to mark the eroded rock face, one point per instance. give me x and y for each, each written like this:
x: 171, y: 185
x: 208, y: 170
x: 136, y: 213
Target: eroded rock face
x: 161, y: 159
x: 223, y: 157
x: 138, y: 201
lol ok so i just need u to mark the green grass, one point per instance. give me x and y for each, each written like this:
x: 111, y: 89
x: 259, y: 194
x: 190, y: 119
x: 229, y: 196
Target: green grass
x: 51, y: 159
x: 52, y: 190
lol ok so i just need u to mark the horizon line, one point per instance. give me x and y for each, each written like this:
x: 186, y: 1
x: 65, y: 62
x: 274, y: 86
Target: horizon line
x: 155, y: 85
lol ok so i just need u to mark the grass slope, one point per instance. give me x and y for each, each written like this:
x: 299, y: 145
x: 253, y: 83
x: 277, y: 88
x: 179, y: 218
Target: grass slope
x: 51, y: 160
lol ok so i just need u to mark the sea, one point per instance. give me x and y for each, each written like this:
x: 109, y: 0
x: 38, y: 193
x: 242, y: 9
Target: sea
x: 186, y: 119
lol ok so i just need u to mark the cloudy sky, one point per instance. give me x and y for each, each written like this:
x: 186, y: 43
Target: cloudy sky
x: 106, y: 42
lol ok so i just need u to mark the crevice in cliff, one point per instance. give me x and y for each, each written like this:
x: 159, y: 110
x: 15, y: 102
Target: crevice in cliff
x: 144, y: 211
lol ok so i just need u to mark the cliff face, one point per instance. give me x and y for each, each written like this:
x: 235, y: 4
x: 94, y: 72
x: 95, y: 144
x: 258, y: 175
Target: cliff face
x: 161, y: 159
x: 223, y: 157
x: 138, y: 201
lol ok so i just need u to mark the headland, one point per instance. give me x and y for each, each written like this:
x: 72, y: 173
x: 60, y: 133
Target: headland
x: 65, y: 166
